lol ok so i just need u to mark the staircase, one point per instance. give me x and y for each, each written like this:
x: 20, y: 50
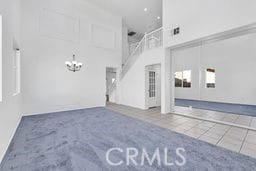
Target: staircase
x: 149, y: 41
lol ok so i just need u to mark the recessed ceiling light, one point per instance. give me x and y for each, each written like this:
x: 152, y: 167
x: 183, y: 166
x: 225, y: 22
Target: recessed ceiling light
x: 145, y: 9
x: 158, y: 17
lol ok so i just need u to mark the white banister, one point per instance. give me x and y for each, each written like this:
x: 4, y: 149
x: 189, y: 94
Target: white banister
x: 150, y: 40
x: 137, y: 47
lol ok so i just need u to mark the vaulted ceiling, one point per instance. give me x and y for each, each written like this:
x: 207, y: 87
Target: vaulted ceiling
x: 138, y: 15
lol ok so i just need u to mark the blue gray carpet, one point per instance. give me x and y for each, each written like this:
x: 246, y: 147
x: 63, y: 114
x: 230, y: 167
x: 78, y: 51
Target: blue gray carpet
x: 240, y: 109
x: 78, y: 140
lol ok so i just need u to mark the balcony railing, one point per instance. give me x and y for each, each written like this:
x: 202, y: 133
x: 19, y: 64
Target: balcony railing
x: 150, y: 40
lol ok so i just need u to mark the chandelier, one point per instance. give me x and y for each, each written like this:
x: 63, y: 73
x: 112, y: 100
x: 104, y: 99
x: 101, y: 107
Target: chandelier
x: 74, y: 65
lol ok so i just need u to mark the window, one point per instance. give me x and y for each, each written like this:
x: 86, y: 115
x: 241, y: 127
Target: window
x: 0, y: 58
x: 210, y: 78
x: 16, y: 71
x: 178, y: 79
x: 183, y: 79
x: 186, y: 78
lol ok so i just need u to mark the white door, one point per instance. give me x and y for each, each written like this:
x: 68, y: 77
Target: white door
x: 152, y: 90
x: 153, y: 85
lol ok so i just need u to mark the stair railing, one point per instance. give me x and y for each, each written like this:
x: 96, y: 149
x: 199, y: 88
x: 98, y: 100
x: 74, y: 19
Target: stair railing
x: 150, y: 40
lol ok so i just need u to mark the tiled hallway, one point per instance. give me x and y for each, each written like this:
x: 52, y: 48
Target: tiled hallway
x: 226, y: 136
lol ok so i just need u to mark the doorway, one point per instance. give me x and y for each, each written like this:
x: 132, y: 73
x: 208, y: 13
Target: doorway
x: 110, y: 84
x: 153, y: 86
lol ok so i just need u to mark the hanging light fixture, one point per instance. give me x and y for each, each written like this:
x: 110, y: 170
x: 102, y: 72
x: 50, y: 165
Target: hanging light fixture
x: 74, y: 65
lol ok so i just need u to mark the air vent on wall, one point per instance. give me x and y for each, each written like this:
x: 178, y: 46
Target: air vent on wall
x: 176, y: 31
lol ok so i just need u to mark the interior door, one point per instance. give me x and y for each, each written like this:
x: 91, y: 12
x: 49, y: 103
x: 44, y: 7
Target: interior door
x: 152, y: 98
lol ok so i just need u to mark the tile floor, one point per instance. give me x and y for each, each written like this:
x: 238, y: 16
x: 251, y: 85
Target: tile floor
x: 219, y: 116
x: 229, y: 137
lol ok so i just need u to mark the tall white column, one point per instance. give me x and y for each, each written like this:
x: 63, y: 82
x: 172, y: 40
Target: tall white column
x: 172, y: 82
x: 167, y: 84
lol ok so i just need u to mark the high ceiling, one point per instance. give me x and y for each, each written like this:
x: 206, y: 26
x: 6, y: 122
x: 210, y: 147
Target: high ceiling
x: 134, y: 14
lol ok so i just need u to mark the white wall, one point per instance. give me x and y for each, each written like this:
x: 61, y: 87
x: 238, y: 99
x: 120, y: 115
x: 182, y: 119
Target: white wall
x: 132, y: 86
x: 234, y: 62
x: 10, y: 106
x: 204, y: 17
x: 52, y: 30
x: 201, y: 19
